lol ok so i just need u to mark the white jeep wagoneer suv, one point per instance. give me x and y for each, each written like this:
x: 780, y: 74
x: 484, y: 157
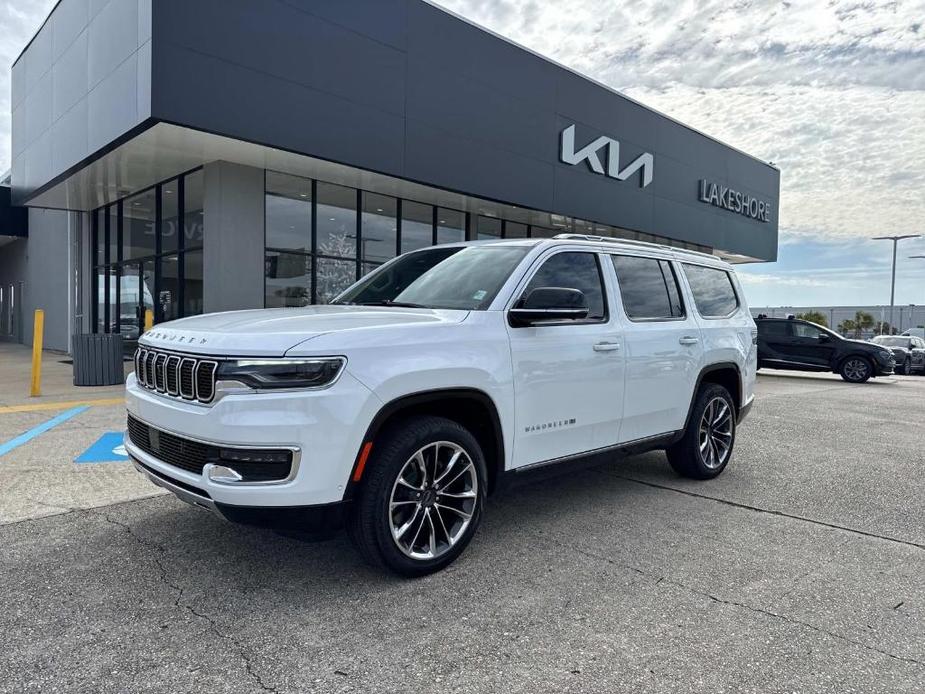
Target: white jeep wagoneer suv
x: 439, y: 378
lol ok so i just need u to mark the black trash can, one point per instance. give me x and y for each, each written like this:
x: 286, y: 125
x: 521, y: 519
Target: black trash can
x: 98, y: 360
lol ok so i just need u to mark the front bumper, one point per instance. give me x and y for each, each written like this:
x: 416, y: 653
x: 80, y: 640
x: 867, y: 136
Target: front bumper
x: 325, y: 428
x: 884, y: 367
x: 308, y: 521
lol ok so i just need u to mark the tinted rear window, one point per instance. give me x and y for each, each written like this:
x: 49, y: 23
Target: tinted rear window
x: 774, y: 328
x: 713, y: 291
x: 649, y: 288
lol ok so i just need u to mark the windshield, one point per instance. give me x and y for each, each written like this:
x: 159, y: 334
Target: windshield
x: 466, y: 278
x: 892, y: 341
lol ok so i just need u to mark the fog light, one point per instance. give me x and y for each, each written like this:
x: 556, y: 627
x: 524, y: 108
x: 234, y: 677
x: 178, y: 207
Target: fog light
x: 236, y: 456
x: 220, y: 473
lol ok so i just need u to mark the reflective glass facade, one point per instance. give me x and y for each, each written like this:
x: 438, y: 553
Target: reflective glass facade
x: 322, y: 237
x: 147, y: 256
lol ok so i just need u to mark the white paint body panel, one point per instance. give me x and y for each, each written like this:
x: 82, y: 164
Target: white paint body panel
x: 533, y: 376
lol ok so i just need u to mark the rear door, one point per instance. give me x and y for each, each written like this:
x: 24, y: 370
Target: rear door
x: 663, y: 346
x: 774, y: 341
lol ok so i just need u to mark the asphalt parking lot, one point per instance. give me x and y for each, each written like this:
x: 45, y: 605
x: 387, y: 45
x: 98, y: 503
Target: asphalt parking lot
x: 801, y: 569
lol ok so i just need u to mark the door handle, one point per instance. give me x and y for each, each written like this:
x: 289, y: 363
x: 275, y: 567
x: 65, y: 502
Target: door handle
x: 689, y: 340
x: 606, y: 346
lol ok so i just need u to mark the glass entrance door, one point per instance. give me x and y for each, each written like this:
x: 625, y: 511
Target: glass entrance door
x: 136, y: 297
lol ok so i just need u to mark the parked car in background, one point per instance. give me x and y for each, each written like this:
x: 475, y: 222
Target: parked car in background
x: 914, y: 332
x: 790, y: 343
x: 909, y: 352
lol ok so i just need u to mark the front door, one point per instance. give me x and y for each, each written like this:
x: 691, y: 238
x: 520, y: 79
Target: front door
x: 568, y: 377
x: 811, y: 346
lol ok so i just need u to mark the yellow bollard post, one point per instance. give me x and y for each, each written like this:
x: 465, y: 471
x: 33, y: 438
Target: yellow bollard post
x: 149, y: 319
x: 37, y: 334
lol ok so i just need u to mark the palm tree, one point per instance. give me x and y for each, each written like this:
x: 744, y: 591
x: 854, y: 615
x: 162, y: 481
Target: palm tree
x: 862, y: 321
x: 816, y: 317
x: 847, y: 326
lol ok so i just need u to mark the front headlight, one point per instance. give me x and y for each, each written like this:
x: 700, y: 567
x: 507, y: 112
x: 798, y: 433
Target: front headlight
x: 268, y: 374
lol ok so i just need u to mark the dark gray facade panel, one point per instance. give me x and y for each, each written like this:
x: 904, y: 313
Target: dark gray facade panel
x: 384, y: 21
x: 220, y: 97
x: 275, y: 38
x: 432, y: 155
x: 403, y: 88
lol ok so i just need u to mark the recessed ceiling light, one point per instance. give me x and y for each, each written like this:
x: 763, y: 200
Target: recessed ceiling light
x: 378, y: 209
x: 333, y: 219
x: 303, y: 195
x: 168, y: 192
x: 443, y: 221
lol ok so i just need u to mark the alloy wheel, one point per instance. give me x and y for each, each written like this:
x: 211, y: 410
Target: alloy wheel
x: 855, y: 369
x: 433, y: 500
x: 716, y: 427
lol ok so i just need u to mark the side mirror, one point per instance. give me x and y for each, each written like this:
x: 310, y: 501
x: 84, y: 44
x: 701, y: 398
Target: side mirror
x: 549, y: 304
x: 824, y: 338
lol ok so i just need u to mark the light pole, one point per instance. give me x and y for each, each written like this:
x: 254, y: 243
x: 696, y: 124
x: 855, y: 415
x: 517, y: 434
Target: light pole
x: 895, y: 240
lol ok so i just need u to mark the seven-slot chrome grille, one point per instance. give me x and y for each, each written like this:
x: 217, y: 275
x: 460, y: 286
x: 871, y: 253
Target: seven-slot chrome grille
x: 190, y: 378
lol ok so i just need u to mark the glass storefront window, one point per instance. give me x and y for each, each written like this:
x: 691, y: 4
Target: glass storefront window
x: 192, y: 283
x: 288, y: 213
x: 193, y: 215
x: 451, y: 225
x: 170, y: 216
x: 168, y: 296
x: 112, y: 233
x: 333, y: 277
x: 489, y: 228
x: 417, y: 226
x: 379, y: 228
x: 543, y: 232
x: 288, y: 279
x: 135, y: 272
x: 515, y: 230
x: 138, y: 226
x: 337, y: 220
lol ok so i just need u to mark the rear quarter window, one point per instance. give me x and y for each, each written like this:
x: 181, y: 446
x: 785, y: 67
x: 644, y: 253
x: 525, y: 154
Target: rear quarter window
x: 713, y: 291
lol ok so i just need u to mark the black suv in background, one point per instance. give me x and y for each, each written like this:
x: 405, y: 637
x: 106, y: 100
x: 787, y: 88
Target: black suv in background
x: 789, y: 343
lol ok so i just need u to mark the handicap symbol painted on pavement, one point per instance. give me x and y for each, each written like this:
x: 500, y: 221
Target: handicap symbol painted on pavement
x: 107, y: 449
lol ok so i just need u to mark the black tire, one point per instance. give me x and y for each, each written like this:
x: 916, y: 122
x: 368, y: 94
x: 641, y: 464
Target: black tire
x: 856, y: 369
x: 687, y: 456
x: 370, y: 525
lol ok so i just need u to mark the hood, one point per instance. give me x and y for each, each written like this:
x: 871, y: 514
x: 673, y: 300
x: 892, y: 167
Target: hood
x: 273, y: 332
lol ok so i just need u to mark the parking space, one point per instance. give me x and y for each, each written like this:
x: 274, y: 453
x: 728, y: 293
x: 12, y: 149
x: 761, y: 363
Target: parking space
x: 800, y: 569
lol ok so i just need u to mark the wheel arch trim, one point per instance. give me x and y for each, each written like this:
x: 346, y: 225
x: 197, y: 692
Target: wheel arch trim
x: 713, y: 368
x: 412, y: 400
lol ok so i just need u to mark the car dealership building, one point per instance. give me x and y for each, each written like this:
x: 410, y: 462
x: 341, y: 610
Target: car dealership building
x: 185, y: 157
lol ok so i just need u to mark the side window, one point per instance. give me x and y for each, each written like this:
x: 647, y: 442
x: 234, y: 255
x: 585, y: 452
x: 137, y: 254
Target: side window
x: 649, y: 288
x: 713, y: 291
x: 773, y: 328
x: 808, y: 331
x: 574, y: 271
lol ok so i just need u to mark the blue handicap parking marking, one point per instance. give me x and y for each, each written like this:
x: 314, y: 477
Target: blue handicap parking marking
x: 107, y: 449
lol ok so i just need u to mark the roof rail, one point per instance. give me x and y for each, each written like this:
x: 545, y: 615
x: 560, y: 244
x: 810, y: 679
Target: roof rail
x: 630, y: 242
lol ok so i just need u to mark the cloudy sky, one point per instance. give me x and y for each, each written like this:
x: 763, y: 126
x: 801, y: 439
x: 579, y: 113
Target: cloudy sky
x: 832, y: 91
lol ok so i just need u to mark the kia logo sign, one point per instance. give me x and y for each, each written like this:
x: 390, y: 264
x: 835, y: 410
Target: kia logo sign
x: 589, y: 153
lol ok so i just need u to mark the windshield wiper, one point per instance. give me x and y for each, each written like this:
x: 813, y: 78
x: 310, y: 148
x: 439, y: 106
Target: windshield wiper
x: 389, y: 302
